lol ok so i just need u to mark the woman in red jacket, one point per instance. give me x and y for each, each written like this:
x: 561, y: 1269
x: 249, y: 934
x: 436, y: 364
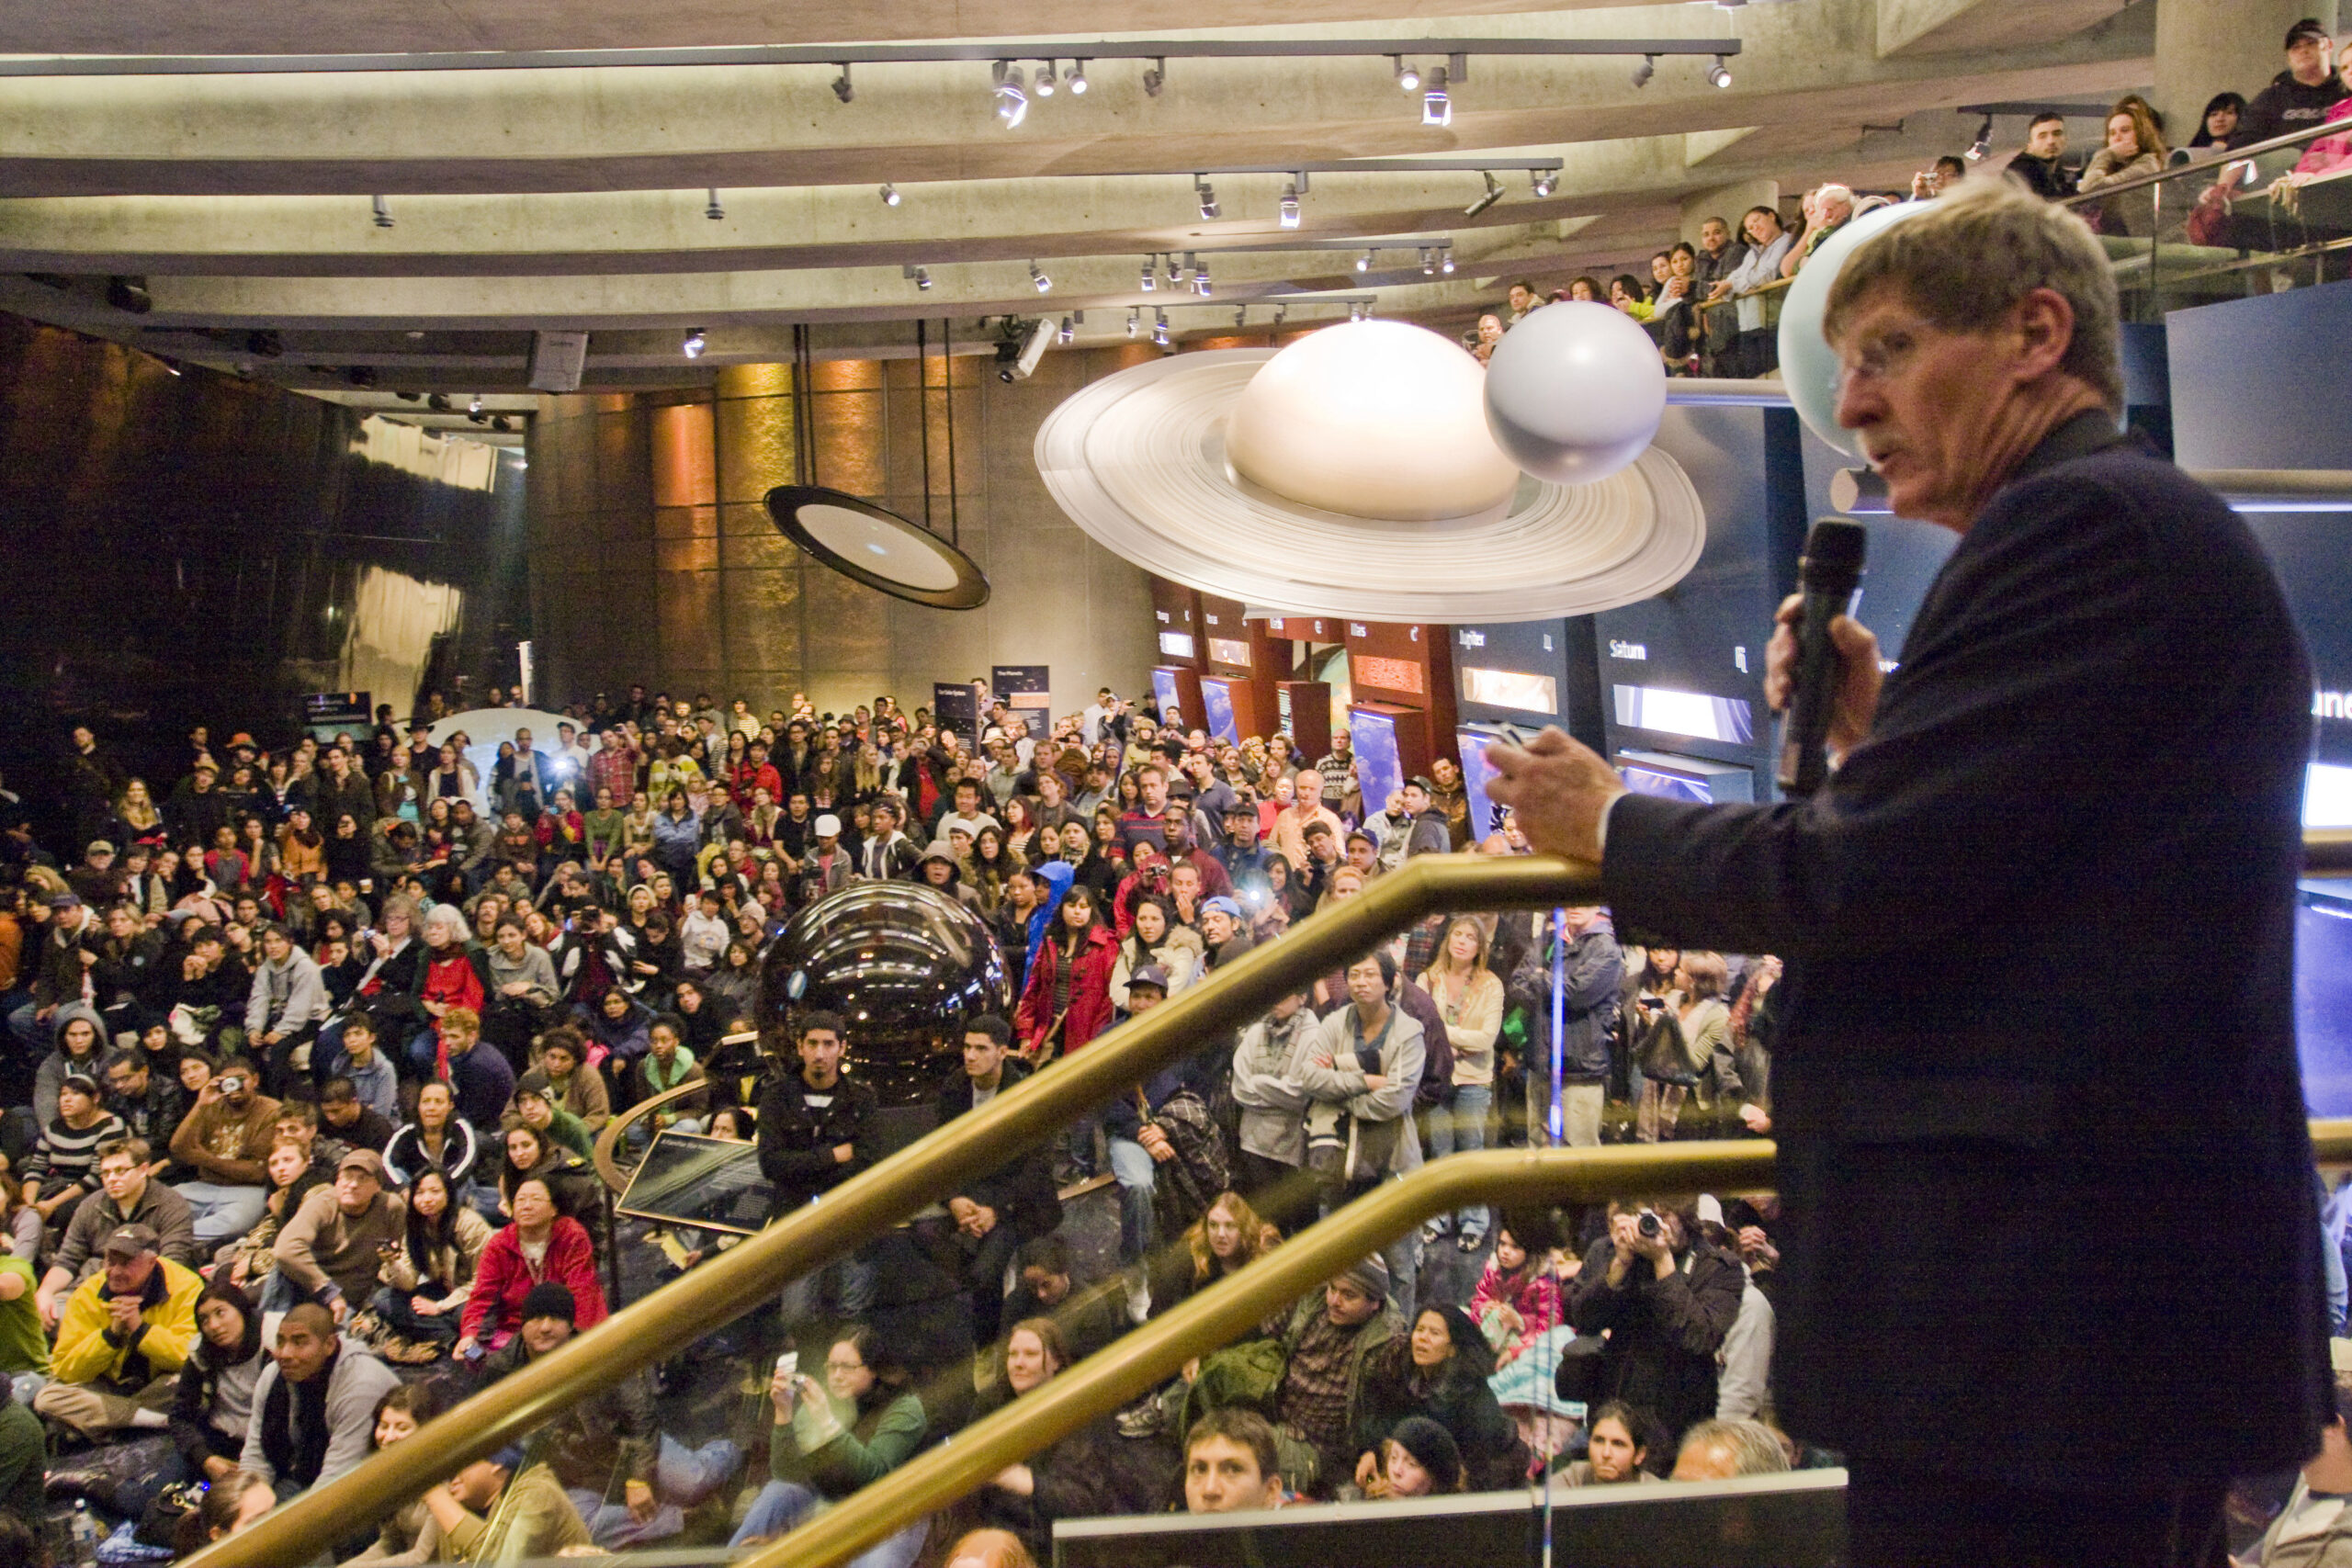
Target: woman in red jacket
x: 1067, y: 1000
x: 541, y: 1244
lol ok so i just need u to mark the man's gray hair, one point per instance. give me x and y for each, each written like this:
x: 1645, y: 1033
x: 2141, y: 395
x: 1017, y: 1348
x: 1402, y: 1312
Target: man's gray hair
x: 1753, y: 1448
x: 1979, y: 249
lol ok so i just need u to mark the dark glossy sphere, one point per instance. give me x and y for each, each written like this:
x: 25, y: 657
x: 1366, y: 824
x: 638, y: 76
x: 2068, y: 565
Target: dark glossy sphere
x: 905, y: 967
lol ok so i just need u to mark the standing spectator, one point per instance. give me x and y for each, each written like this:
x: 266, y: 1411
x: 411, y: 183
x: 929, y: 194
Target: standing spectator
x: 2038, y: 167
x: 1831, y: 208
x: 1470, y: 1002
x: 2134, y: 147
x: 997, y: 1214
x: 1269, y: 1086
x: 121, y: 1339
x: 1595, y: 974
x: 815, y: 1133
x: 315, y: 1409
x: 1360, y: 1079
x: 1067, y: 1000
x: 2299, y: 97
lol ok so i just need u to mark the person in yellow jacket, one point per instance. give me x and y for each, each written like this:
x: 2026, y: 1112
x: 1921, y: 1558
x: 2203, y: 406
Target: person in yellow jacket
x: 121, y: 1339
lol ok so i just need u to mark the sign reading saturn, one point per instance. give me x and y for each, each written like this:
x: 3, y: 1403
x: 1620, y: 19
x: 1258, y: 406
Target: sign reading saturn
x: 1373, y: 468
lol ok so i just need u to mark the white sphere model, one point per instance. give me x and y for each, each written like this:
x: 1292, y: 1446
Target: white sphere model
x: 1808, y: 363
x: 1371, y: 419
x: 1575, y: 391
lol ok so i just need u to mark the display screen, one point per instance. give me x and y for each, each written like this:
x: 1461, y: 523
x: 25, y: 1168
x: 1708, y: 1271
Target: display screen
x: 1378, y: 771
x: 1693, y: 714
x: 1511, y: 689
x: 1176, y: 645
x: 2323, y: 999
x: 702, y: 1181
x: 1219, y: 698
x: 1234, y: 651
x: 1667, y: 786
x: 1475, y: 772
x: 1163, y: 689
x: 2327, y: 796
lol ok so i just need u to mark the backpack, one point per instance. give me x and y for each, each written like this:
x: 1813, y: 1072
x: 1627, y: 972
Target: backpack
x: 1654, y: 1041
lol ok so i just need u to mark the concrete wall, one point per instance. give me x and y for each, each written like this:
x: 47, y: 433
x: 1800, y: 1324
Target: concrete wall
x: 654, y: 561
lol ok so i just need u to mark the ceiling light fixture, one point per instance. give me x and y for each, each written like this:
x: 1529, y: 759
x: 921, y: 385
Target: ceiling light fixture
x: 1038, y: 280
x: 1645, y: 71
x: 1241, y: 315
x: 1721, y: 76
x: 1200, y: 277
x: 1545, y: 181
x: 1149, y: 280
x: 1364, y: 262
x: 1045, y: 83
x: 1076, y: 80
x: 1984, y: 142
x: 920, y: 276
x: 1408, y: 79
x: 1135, y: 320
x: 710, y: 207
x: 695, y: 343
x: 1355, y: 312
x: 1446, y: 265
x: 1290, y: 204
x: 842, y: 88
x: 438, y: 402
x: 1011, y: 102
x: 130, y: 295
x: 475, y: 406
x: 1429, y: 262
x: 1160, y: 328
x: 1154, y: 76
x: 889, y: 194
x: 1437, y: 107
x: 1069, y: 331
x: 1493, y: 194
x: 1281, y: 314
x: 383, y: 211
x: 500, y: 422
x: 1210, y: 210
x: 265, y: 342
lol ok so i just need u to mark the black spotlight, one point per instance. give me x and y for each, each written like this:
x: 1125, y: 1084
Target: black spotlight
x: 361, y: 375
x: 880, y: 548
x: 438, y: 402
x: 129, y: 293
x: 265, y: 343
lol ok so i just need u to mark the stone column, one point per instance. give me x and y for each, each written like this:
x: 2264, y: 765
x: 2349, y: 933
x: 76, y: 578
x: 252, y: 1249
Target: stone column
x: 2204, y: 47
x: 756, y: 612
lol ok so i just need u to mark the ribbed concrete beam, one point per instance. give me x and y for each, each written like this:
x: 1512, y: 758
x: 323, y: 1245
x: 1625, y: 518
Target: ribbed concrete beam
x: 682, y: 129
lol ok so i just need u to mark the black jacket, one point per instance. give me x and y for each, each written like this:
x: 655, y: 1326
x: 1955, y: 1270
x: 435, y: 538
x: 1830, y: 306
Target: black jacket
x: 1663, y: 1334
x: 1021, y: 1191
x: 1596, y: 975
x: 2286, y: 106
x: 799, y: 1129
x: 2021, y: 1204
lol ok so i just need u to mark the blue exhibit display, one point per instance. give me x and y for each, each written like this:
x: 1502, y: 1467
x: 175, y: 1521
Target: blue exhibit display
x: 1218, y: 697
x: 2324, y: 997
x: 1379, y: 770
x: 1472, y: 740
x: 1683, y: 672
x: 1164, y: 691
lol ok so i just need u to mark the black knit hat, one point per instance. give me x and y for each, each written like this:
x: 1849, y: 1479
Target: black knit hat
x: 550, y: 1298
x: 1432, y: 1448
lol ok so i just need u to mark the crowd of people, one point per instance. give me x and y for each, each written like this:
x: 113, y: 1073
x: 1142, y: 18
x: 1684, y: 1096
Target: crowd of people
x: 308, y: 1050
x: 1714, y: 306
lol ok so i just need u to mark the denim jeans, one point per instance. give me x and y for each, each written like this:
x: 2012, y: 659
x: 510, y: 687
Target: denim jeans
x: 1460, y: 1123
x: 1136, y: 1172
x: 783, y: 1504
x: 223, y: 1213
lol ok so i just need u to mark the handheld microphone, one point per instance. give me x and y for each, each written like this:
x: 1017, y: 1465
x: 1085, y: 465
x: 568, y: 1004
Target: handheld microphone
x: 1828, y: 574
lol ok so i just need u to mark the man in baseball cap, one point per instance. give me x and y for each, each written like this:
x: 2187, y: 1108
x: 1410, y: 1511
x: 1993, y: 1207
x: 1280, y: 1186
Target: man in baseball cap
x: 2299, y: 97
x: 121, y: 1338
x: 329, y: 1250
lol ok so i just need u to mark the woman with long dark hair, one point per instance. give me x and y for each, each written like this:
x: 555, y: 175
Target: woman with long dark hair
x: 1067, y: 1000
x: 214, y: 1402
x: 425, y: 1281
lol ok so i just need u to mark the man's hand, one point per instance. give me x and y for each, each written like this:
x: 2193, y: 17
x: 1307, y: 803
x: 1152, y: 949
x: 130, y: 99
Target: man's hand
x: 845, y: 1153
x: 982, y: 1221
x: 219, y: 1469
x: 424, y: 1306
x: 340, y: 1309
x: 639, y: 1494
x: 87, y: 958
x: 1858, y: 681
x: 124, y: 1316
x: 1559, y: 789
x: 1155, y: 1143
x: 47, y: 1305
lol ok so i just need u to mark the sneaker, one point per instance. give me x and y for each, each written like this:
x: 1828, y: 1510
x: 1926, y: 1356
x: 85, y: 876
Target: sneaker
x: 1138, y: 1297
x: 1436, y: 1230
x: 1469, y: 1243
x: 1142, y: 1419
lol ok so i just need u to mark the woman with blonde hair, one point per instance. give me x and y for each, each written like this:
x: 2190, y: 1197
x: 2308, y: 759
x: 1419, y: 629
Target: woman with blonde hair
x: 135, y: 809
x: 2134, y: 147
x: 1470, y: 997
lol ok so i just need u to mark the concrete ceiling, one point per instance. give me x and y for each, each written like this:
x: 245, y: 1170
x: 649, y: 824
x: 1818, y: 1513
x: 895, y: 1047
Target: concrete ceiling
x: 573, y: 196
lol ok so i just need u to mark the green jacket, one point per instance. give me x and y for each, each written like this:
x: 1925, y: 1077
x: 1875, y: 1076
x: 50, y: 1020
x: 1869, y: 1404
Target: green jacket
x: 837, y: 1449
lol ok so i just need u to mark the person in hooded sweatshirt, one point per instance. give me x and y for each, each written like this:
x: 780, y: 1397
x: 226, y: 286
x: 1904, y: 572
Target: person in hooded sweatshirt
x: 314, y: 1407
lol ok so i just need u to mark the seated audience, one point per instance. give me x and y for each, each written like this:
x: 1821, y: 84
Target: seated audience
x: 1616, y: 1449
x: 830, y: 1438
x: 427, y: 1278
x: 212, y: 1408
x: 224, y: 1140
x: 437, y: 1140
x: 314, y: 1407
x: 1232, y: 1463
x: 128, y: 1195
x: 540, y: 1245
x: 1439, y: 1372
x: 500, y: 1510
x: 235, y: 1502
x: 329, y: 1250
x: 1089, y: 1473
x: 121, y: 1339
x: 1718, y: 1450
x: 992, y: 1217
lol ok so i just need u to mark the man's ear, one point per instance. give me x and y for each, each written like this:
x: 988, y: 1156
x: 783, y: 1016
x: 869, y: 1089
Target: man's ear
x: 2045, y: 325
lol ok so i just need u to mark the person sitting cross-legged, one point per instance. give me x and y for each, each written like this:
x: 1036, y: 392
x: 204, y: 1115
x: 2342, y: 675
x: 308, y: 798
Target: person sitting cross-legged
x: 121, y: 1339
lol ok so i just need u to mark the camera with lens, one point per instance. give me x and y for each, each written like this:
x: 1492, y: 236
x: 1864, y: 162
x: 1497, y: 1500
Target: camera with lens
x: 232, y: 1084
x: 1649, y: 1225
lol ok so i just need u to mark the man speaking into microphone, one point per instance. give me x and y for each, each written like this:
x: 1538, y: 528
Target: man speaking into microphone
x: 2052, y: 1270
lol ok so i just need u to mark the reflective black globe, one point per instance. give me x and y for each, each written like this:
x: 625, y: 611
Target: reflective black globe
x: 903, y: 964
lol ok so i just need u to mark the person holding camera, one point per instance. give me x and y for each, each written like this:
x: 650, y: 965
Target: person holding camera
x: 1667, y: 1299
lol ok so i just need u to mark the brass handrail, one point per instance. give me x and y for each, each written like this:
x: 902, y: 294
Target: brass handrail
x: 608, y: 1170
x: 722, y: 1289
x: 1147, y: 1356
